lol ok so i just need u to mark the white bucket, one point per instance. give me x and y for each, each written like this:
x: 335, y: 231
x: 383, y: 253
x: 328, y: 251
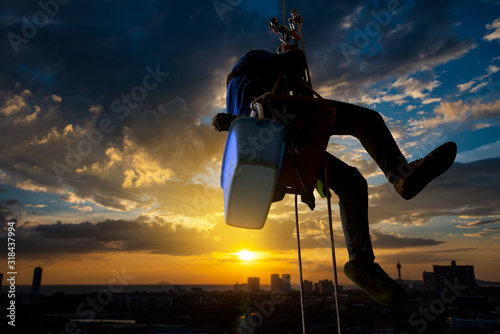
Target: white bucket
x: 250, y: 168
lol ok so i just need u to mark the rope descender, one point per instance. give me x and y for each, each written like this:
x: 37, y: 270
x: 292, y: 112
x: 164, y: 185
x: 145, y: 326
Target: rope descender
x: 285, y: 33
x: 294, y: 32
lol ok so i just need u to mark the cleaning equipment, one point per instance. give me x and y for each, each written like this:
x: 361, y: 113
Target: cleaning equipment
x: 250, y: 168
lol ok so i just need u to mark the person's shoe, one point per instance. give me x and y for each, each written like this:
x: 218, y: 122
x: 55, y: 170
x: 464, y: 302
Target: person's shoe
x: 373, y: 280
x: 423, y: 171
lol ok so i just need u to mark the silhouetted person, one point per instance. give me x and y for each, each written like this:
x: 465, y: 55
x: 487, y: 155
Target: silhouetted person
x: 256, y: 73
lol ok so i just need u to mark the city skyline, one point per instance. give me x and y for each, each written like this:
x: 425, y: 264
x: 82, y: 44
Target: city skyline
x: 109, y: 162
x: 432, y: 281
x: 283, y: 283
x: 454, y: 306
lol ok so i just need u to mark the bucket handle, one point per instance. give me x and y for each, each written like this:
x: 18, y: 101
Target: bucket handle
x: 258, y: 110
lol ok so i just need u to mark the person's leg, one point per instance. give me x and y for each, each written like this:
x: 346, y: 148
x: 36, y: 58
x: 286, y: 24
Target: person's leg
x: 352, y: 191
x: 369, y: 127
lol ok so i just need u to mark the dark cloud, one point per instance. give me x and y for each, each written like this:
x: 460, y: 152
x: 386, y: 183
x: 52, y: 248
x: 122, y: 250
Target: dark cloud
x: 13, y: 201
x: 176, y: 138
x: 382, y: 44
x: 95, y: 52
x: 9, y: 211
x: 436, y: 256
x: 38, y: 240
x: 390, y: 241
x: 471, y: 189
x: 4, y: 215
x: 42, y: 240
x: 479, y: 223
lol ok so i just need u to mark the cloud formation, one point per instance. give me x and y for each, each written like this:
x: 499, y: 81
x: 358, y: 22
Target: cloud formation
x: 386, y: 54
x: 112, y: 117
x: 79, y: 123
x: 457, y: 114
x: 493, y: 30
x: 479, y: 223
x: 468, y: 190
x: 161, y: 237
x: 451, y: 194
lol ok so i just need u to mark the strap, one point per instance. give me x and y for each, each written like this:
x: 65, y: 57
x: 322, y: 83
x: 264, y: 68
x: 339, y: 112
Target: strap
x: 236, y: 73
x: 256, y: 71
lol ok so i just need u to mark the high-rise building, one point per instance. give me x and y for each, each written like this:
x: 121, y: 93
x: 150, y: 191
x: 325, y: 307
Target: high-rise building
x: 287, y: 285
x: 282, y: 284
x: 308, y: 287
x: 429, y: 280
x: 276, y: 282
x: 326, y: 287
x: 240, y: 287
x: 463, y: 274
x: 399, y: 270
x: 444, y: 276
x: 37, y: 283
x: 253, y: 284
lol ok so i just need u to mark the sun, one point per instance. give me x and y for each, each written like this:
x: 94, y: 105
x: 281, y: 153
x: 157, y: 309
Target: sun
x: 245, y: 255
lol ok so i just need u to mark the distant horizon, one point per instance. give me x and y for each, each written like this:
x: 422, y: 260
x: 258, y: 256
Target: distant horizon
x: 215, y: 284
x: 115, y: 278
x: 49, y: 289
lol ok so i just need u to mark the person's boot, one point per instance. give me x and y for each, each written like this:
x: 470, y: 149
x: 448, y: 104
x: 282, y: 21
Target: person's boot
x: 370, y: 277
x: 423, y: 171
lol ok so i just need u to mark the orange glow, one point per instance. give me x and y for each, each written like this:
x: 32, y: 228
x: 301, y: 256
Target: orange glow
x: 245, y: 255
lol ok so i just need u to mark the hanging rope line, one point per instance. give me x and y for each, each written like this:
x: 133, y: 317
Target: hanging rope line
x: 302, y: 306
x: 330, y: 223
x: 284, y: 12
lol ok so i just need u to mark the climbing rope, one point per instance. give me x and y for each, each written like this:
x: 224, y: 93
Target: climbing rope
x: 284, y: 33
x: 302, y: 306
x: 330, y: 223
x: 284, y: 12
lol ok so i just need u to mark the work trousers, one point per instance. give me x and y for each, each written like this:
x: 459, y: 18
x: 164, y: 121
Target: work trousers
x: 349, y: 184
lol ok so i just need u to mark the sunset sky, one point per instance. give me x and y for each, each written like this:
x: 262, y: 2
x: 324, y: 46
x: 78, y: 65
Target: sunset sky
x: 109, y: 162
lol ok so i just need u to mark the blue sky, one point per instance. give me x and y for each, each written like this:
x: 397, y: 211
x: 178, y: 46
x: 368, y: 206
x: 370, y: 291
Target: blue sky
x: 105, y: 110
